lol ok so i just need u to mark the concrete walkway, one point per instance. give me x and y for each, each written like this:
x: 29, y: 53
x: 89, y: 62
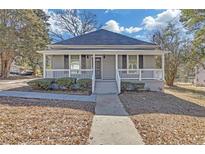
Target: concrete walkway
x: 105, y: 87
x: 111, y: 124
x: 38, y: 95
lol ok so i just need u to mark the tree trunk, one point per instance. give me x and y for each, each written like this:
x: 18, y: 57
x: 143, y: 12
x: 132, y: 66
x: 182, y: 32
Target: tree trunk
x: 6, y: 59
x: 170, y: 82
x: 35, y: 71
x: 1, y: 65
x: 6, y: 68
x: 171, y: 67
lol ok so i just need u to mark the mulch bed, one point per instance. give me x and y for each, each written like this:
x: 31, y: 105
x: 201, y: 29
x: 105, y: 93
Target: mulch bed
x: 37, y: 121
x: 166, y: 119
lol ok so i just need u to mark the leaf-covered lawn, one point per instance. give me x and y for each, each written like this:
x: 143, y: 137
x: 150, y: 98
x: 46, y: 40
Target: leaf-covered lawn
x: 34, y: 121
x: 166, y: 118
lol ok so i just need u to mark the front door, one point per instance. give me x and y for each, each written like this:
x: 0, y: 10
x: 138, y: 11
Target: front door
x: 98, y: 68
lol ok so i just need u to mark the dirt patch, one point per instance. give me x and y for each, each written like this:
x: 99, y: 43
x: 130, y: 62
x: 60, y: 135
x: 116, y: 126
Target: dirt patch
x: 166, y: 119
x: 36, y: 121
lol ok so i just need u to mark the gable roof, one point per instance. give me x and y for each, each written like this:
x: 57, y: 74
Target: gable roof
x: 102, y: 37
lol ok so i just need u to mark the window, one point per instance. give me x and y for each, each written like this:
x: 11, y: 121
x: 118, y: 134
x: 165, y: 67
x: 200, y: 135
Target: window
x: 75, y: 63
x: 132, y: 62
x: 141, y: 61
x: 124, y: 61
x: 66, y: 62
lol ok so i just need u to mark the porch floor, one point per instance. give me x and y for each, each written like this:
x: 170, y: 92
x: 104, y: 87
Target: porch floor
x: 105, y: 87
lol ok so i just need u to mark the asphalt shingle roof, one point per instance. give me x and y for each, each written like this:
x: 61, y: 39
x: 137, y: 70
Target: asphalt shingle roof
x: 102, y: 37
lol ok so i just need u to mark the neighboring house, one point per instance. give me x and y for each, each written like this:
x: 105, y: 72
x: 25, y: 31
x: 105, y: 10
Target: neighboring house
x: 104, y: 55
x: 199, y: 76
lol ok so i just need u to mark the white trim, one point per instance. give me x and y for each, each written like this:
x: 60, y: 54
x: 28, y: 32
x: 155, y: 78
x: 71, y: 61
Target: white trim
x: 103, y: 52
x: 79, y: 64
x: 128, y: 64
x: 144, y: 69
x: 69, y: 60
x: 57, y: 69
x: 116, y: 62
x: 93, y: 62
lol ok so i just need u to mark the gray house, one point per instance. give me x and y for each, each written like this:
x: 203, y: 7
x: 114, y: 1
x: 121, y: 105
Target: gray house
x: 199, y: 76
x: 106, y: 56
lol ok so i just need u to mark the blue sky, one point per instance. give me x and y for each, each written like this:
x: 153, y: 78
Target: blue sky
x: 134, y: 23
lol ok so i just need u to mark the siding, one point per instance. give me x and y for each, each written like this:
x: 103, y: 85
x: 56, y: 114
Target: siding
x: 109, y: 68
x: 58, y: 62
x: 200, y: 76
x: 149, y: 62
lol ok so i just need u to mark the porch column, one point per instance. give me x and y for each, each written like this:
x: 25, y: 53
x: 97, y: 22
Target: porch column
x: 44, y: 65
x: 93, y: 62
x: 69, y: 59
x: 163, y: 76
x: 116, y: 65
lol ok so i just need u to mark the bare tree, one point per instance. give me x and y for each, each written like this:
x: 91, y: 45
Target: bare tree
x: 170, y: 39
x: 73, y: 22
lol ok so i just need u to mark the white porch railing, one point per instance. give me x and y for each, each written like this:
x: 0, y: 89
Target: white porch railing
x: 137, y: 74
x: 140, y: 74
x: 82, y: 73
x: 57, y: 73
x: 60, y: 73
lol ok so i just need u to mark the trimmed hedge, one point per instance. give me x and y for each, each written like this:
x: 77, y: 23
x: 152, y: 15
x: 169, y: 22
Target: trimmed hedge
x: 41, y: 83
x: 61, y: 84
x: 66, y: 82
x: 84, y: 83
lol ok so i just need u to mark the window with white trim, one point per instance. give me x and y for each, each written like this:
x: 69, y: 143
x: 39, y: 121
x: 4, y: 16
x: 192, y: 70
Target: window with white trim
x: 75, y: 64
x: 132, y: 61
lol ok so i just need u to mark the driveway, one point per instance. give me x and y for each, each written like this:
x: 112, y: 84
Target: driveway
x: 13, y: 84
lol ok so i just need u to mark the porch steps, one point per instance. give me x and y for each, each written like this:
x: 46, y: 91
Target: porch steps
x: 106, y: 87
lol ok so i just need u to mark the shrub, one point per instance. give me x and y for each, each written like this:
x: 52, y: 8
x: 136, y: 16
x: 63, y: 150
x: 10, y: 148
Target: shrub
x: 131, y: 86
x: 84, y: 84
x: 41, y: 83
x: 66, y: 82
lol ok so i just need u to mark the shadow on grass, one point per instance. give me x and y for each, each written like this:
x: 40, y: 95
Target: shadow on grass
x: 182, y: 89
x: 157, y: 102
x: 28, y: 102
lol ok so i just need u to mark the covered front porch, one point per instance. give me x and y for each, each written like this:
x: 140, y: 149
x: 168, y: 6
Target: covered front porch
x: 108, y: 66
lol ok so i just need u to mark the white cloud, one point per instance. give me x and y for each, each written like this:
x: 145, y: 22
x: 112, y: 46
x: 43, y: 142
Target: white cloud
x: 161, y: 20
x: 133, y: 29
x: 108, y: 10
x: 143, y: 37
x: 114, y: 26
